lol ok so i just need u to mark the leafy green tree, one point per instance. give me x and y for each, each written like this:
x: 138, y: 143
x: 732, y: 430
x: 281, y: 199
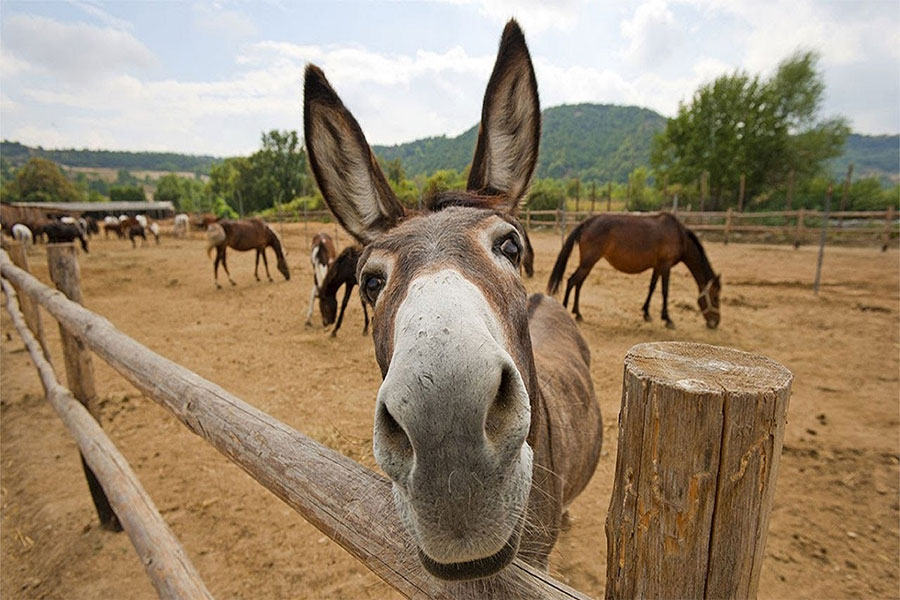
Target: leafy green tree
x: 41, y: 180
x: 741, y: 124
x: 127, y: 193
x: 443, y: 180
x: 546, y: 194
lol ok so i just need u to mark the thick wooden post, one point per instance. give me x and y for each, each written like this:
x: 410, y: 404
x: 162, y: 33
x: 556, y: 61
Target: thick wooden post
x: 700, y: 437
x: 798, y: 236
x: 741, y: 194
x: 888, y: 223
x: 64, y: 272
x: 824, y: 233
x: 845, y: 193
x: 728, y: 217
x: 29, y: 308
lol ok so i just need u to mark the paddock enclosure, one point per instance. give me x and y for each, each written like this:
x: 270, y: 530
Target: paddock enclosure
x: 834, y: 526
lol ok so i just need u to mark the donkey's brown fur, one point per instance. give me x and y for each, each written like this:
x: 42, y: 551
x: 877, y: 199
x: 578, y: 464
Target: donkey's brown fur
x: 486, y: 420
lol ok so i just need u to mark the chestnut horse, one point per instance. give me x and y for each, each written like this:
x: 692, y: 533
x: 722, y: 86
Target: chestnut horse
x: 341, y: 273
x: 321, y: 256
x: 251, y: 234
x: 486, y: 419
x: 635, y: 243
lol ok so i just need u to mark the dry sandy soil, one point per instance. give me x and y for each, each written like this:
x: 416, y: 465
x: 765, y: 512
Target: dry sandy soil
x: 834, y: 528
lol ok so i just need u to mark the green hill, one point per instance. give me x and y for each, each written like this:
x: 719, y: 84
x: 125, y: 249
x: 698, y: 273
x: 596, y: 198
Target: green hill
x: 877, y: 155
x: 17, y: 154
x: 591, y: 141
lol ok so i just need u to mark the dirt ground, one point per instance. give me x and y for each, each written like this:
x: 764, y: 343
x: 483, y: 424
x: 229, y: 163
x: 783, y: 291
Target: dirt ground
x: 834, y: 528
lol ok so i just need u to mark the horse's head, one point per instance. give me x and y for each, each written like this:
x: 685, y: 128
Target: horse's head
x: 709, y: 301
x: 283, y: 268
x: 328, y: 308
x: 451, y: 325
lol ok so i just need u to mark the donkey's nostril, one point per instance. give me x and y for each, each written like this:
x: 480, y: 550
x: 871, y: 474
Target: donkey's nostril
x: 502, y: 415
x: 391, y: 433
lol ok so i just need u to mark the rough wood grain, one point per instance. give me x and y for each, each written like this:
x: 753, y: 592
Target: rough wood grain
x: 343, y: 499
x: 29, y: 308
x: 167, y: 565
x: 65, y: 273
x: 700, y: 435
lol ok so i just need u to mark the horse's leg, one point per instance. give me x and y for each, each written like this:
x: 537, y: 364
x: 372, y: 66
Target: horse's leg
x: 266, y: 263
x: 216, y: 269
x: 312, y: 300
x: 646, y: 308
x: 576, y: 281
x: 366, y: 315
x: 256, y: 267
x: 665, y: 292
x: 225, y: 265
x: 348, y: 288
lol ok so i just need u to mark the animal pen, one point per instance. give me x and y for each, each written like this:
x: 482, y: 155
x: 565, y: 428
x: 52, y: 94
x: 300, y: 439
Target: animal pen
x: 700, y: 437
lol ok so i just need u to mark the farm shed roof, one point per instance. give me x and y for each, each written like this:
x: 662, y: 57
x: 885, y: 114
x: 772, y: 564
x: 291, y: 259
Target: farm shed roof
x: 100, y: 207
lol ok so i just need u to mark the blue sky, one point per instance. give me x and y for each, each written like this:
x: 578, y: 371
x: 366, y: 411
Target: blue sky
x: 209, y: 77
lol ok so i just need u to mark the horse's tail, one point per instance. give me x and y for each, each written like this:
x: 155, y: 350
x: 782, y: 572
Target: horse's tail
x: 215, y: 237
x: 559, y: 269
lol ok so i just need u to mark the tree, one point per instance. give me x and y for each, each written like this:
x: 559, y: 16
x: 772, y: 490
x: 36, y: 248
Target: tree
x: 127, y: 193
x: 741, y: 124
x: 41, y: 180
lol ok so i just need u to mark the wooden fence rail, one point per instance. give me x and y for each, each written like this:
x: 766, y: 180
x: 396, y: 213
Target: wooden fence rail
x: 165, y: 561
x: 346, y: 501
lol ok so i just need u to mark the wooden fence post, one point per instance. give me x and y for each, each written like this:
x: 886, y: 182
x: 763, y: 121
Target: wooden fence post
x: 888, y: 225
x: 845, y: 194
x: 822, y: 236
x: 608, y: 196
x: 704, y: 190
x: 64, y: 272
x: 700, y: 437
x: 798, y: 235
x: 741, y: 194
x: 528, y: 219
x: 29, y: 308
x: 728, y: 217
x: 790, y: 190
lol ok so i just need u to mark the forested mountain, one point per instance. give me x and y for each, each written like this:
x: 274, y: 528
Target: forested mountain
x: 871, y: 155
x: 17, y: 154
x: 591, y: 141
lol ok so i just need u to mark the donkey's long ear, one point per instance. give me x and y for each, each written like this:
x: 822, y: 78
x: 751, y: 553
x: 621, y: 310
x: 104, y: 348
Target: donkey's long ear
x: 510, y: 130
x: 345, y: 168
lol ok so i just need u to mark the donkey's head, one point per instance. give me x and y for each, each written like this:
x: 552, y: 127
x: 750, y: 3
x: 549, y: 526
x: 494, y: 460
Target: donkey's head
x: 451, y: 327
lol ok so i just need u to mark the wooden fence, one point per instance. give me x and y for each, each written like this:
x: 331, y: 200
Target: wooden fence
x: 690, y: 505
x: 795, y: 226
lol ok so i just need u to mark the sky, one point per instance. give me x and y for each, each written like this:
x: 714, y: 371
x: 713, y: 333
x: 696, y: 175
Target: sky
x: 210, y: 77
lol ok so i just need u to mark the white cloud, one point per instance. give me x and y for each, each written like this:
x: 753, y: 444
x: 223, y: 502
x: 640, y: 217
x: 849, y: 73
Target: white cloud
x: 71, y: 52
x: 229, y: 23
x: 652, y: 34
x: 98, y: 13
x: 535, y: 16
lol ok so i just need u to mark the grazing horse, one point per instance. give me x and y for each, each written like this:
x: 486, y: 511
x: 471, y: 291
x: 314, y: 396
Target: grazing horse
x: 22, y: 234
x: 58, y: 232
x: 486, y: 419
x: 135, y: 230
x: 341, y: 273
x: 154, y: 229
x: 91, y: 226
x: 321, y: 256
x: 251, y: 234
x: 635, y: 243
x: 182, y: 225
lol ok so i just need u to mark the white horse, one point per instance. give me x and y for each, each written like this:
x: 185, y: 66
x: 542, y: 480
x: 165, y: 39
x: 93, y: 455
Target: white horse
x: 23, y: 235
x: 182, y: 225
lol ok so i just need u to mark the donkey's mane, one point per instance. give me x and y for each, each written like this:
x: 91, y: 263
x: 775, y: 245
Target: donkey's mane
x: 449, y: 198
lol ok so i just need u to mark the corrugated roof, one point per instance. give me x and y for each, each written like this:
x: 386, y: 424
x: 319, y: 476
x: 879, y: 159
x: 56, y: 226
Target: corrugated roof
x: 98, y: 206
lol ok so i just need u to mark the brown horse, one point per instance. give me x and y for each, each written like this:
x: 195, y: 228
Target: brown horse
x: 486, y: 419
x: 251, y: 234
x: 321, y: 256
x: 341, y: 273
x: 633, y: 244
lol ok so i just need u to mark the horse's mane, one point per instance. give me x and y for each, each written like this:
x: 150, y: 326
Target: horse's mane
x: 704, y: 261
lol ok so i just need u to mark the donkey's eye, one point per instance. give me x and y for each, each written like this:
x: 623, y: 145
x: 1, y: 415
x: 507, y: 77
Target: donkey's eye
x: 509, y: 247
x: 372, y: 285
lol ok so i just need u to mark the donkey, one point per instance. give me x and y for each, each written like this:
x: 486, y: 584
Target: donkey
x: 341, y: 273
x: 321, y: 257
x: 635, y: 243
x: 251, y: 234
x: 486, y: 420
